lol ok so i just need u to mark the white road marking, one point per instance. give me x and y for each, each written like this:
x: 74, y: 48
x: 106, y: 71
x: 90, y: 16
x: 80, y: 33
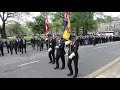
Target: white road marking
x: 28, y: 63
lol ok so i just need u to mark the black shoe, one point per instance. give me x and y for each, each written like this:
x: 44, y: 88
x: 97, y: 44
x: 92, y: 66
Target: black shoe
x: 62, y: 68
x: 75, y: 76
x: 53, y: 62
x: 56, y: 68
x: 69, y: 74
x: 50, y: 62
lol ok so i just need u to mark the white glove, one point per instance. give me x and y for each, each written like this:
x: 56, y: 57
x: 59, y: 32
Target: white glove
x: 71, y: 56
x: 56, y: 46
x: 49, y: 49
x: 67, y: 42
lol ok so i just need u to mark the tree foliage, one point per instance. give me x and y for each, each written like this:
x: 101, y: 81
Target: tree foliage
x: 6, y: 16
x: 38, y: 26
x: 57, y: 22
x: 83, y: 20
x: 15, y: 28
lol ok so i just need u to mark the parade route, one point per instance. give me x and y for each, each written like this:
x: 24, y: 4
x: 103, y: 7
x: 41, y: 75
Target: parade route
x: 34, y: 64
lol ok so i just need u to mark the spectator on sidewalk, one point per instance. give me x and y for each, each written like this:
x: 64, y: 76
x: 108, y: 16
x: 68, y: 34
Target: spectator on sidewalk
x: 23, y: 44
x: 33, y: 41
x: 13, y: 45
x: 1, y: 47
x: 7, y: 43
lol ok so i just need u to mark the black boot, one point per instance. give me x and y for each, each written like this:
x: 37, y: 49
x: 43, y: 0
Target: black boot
x: 53, y: 62
x: 50, y: 62
x: 56, y: 68
x: 69, y: 74
x: 62, y: 68
x: 75, y: 76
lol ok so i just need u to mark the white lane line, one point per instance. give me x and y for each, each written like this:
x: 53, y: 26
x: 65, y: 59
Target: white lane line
x: 100, y: 47
x: 28, y: 63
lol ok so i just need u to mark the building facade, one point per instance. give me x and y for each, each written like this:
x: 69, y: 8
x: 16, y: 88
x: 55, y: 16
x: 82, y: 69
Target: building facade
x: 112, y: 28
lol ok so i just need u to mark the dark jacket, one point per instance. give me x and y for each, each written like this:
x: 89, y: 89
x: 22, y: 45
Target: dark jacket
x: 33, y: 41
x: 13, y: 43
x: 7, y: 44
x: 1, y: 44
x: 52, y: 44
x: 74, y: 48
x: 61, y: 50
x: 21, y: 42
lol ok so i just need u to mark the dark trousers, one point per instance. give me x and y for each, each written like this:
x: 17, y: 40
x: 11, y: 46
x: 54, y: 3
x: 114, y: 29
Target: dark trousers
x: 33, y: 45
x: 19, y: 48
x: 62, y: 58
x: 41, y: 48
x: 11, y: 49
x: 23, y: 47
x: 52, y: 55
x: 47, y: 46
x: 8, y: 48
x: 75, y: 65
x: 2, y: 53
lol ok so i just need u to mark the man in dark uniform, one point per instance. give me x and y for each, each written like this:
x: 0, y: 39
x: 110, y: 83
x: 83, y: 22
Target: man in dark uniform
x: 33, y: 41
x: 13, y: 44
x: 7, y: 43
x: 37, y: 43
x: 46, y: 42
x: 51, y: 50
x: 1, y: 47
x: 73, y: 56
x: 17, y: 39
x: 94, y: 40
x: 42, y: 45
x: 23, y: 44
x: 60, y: 53
x: 18, y: 42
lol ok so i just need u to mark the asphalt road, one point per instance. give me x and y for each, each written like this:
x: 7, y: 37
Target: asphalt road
x: 34, y: 64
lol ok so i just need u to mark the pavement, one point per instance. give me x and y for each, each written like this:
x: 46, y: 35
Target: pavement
x: 112, y: 72
x: 94, y: 62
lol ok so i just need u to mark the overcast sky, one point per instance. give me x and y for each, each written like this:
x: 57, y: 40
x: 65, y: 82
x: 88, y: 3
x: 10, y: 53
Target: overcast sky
x: 113, y: 14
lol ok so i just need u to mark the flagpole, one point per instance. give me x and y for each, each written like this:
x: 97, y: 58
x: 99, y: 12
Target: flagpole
x: 47, y: 33
x: 70, y: 31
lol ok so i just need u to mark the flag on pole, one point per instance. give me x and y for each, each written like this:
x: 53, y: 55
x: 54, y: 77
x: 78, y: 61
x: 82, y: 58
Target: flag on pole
x: 67, y: 31
x: 47, y: 25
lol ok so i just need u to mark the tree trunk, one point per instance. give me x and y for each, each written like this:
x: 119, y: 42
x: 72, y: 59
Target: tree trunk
x: 77, y: 31
x: 84, y: 32
x: 3, y: 30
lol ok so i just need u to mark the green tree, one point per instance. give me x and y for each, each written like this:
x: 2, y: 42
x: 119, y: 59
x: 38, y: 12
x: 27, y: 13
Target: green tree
x: 108, y: 19
x: 13, y: 28
x: 83, y: 20
x: 57, y: 24
x: 25, y: 30
x: 4, y: 16
x: 38, y: 26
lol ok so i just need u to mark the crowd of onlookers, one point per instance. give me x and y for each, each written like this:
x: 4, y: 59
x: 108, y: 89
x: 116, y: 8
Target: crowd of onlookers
x: 89, y: 40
